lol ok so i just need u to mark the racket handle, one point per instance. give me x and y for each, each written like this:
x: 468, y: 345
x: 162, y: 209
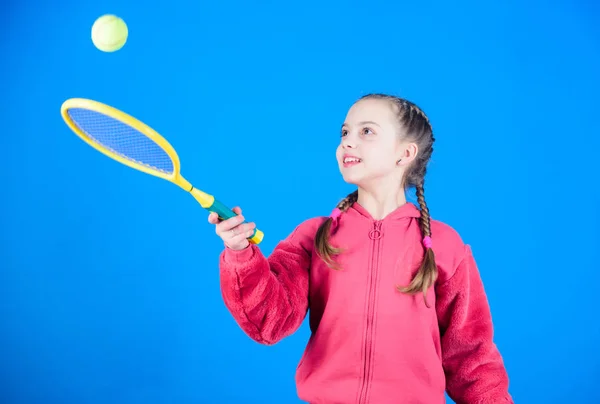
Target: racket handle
x: 225, y: 213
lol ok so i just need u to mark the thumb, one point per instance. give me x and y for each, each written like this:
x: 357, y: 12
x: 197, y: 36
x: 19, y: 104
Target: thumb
x: 237, y: 210
x: 213, y: 218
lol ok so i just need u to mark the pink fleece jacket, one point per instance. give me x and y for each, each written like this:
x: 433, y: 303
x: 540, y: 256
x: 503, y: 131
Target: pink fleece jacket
x: 369, y: 342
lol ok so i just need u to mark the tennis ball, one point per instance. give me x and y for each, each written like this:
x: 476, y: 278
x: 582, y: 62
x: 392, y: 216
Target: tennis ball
x: 109, y: 33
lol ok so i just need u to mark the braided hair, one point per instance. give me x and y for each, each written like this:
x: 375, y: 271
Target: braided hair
x: 417, y: 129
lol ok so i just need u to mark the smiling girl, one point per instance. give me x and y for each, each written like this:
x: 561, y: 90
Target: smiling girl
x: 398, y: 312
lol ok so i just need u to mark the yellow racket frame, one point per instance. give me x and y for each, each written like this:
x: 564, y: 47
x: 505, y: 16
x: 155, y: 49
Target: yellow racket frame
x: 205, y: 200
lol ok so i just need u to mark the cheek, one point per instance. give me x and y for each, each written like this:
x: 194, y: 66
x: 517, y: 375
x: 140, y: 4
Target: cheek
x: 381, y: 161
x: 379, y: 156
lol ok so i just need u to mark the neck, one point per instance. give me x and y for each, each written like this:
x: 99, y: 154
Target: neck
x: 381, y: 202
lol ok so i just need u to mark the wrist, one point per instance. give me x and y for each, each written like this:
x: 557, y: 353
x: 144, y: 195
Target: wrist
x: 238, y: 255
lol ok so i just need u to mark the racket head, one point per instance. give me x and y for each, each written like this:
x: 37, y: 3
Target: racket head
x: 121, y: 137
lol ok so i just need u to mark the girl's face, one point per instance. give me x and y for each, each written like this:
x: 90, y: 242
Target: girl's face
x: 370, y: 146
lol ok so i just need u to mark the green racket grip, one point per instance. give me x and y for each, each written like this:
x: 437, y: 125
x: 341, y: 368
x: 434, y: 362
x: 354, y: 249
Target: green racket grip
x: 225, y: 213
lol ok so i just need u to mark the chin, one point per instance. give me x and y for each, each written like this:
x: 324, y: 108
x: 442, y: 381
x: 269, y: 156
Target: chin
x: 351, y: 179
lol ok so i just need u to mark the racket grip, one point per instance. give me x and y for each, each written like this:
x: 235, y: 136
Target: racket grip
x: 225, y: 213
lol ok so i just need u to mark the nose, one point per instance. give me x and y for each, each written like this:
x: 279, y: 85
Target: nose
x: 347, y: 144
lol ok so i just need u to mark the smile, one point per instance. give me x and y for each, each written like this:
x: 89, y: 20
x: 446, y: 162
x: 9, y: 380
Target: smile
x: 350, y: 161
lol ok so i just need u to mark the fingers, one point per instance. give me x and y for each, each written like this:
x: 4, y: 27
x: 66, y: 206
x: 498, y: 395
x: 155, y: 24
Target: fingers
x: 241, y: 230
x: 239, y: 233
x: 213, y: 218
x: 233, y: 231
x: 228, y: 224
x: 237, y: 238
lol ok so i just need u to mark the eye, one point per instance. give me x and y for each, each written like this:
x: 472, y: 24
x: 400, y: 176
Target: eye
x: 344, y: 132
x: 367, y: 131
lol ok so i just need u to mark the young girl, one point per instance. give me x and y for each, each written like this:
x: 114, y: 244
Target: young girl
x: 398, y: 313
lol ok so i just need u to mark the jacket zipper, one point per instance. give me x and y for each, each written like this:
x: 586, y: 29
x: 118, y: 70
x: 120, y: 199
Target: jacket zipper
x: 375, y: 236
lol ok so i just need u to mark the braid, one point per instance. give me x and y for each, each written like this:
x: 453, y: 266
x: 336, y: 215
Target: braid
x: 348, y: 201
x: 419, y: 112
x: 322, y: 245
x: 425, y: 219
x: 427, y: 273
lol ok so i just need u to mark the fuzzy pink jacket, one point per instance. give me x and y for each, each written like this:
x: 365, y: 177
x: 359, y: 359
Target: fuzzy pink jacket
x: 369, y: 342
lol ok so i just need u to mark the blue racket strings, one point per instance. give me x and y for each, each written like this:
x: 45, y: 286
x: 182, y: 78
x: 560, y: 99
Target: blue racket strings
x: 121, y: 139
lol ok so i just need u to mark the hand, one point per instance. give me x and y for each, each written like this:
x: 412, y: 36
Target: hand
x: 232, y: 231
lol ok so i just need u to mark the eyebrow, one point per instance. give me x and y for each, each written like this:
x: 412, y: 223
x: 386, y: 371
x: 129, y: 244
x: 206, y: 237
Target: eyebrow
x: 363, y: 123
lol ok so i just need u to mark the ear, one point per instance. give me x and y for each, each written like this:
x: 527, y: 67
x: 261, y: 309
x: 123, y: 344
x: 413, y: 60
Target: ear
x: 407, y: 153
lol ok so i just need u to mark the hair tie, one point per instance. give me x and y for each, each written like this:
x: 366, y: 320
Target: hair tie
x: 427, y: 241
x: 335, y: 217
x: 335, y: 214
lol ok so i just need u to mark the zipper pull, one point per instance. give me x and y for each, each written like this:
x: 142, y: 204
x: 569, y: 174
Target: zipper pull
x: 375, y: 233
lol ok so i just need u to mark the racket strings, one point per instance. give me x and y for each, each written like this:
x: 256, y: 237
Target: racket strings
x: 121, y: 139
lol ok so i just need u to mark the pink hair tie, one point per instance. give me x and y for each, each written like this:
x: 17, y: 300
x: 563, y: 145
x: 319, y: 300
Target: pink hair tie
x: 335, y: 214
x: 335, y: 217
x: 427, y: 242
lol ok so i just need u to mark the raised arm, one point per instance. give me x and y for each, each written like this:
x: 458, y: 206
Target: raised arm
x: 474, y: 368
x: 268, y: 297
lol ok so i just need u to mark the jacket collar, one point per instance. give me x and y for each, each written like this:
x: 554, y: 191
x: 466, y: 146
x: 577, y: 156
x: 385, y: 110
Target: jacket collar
x: 404, y: 211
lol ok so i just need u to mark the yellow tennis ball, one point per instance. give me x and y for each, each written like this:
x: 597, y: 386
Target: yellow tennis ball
x: 109, y: 33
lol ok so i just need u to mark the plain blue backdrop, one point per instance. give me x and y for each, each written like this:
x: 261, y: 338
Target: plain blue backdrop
x: 109, y: 289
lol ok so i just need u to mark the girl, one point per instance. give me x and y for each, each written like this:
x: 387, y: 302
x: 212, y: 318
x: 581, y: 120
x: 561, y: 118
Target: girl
x: 398, y: 313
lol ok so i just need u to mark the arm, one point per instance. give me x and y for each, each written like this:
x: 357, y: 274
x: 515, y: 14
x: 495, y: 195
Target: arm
x: 268, y: 297
x: 474, y: 369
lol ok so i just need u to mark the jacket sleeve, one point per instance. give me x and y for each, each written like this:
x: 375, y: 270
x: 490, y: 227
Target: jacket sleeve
x: 474, y: 368
x: 268, y: 297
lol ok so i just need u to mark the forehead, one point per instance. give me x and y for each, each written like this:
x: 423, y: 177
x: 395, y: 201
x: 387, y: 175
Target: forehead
x: 376, y: 110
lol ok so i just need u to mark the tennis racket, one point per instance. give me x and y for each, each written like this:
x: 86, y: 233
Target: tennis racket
x: 133, y: 143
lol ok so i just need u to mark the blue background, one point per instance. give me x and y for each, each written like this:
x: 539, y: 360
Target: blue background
x: 109, y: 289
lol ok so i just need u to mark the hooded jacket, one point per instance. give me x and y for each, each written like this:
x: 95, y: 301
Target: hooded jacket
x: 369, y: 342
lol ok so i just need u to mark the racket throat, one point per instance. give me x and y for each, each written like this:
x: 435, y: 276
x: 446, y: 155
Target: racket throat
x: 204, y: 199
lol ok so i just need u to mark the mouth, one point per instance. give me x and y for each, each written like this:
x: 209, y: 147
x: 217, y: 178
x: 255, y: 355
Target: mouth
x: 350, y: 161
